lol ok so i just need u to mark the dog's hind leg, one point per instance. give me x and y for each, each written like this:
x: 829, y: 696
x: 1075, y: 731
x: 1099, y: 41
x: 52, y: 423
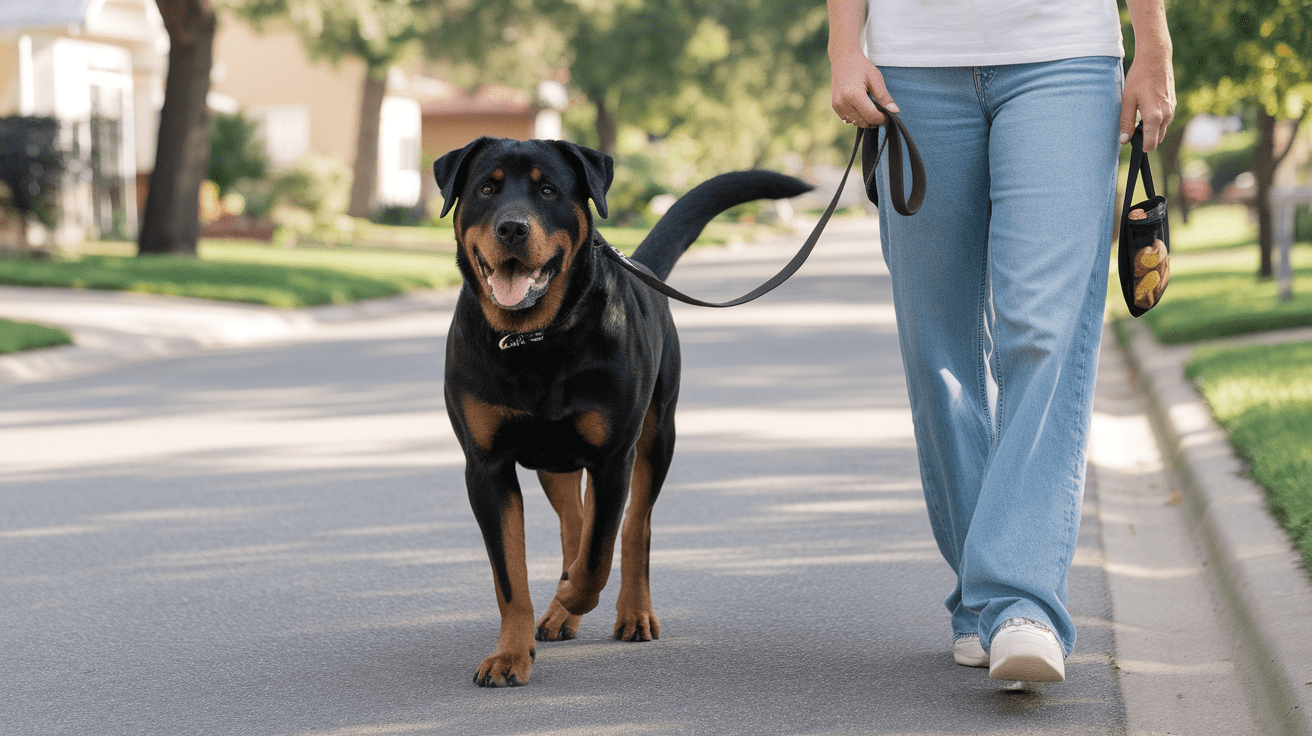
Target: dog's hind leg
x: 635, y: 619
x: 563, y: 491
x: 603, y: 507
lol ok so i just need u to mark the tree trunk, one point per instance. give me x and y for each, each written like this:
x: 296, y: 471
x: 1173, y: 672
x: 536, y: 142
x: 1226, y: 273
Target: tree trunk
x: 1264, y: 171
x: 364, y: 182
x: 607, y: 130
x: 171, y: 221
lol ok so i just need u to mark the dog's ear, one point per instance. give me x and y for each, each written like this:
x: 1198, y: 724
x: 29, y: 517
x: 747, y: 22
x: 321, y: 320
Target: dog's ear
x: 598, y: 171
x: 450, y: 172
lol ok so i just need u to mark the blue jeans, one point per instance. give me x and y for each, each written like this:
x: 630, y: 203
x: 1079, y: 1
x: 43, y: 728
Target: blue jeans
x: 999, y: 283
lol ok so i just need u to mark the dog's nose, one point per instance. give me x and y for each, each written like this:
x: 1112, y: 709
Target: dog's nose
x: 513, y: 229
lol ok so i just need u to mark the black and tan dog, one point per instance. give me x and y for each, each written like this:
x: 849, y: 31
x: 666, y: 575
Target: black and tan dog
x: 560, y: 361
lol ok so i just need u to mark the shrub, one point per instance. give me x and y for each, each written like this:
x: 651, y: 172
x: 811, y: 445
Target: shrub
x: 31, y: 166
x: 312, y: 200
x: 236, y: 153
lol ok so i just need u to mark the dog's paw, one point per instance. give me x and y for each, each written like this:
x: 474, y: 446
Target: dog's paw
x: 637, y: 625
x: 557, y: 624
x: 505, y: 670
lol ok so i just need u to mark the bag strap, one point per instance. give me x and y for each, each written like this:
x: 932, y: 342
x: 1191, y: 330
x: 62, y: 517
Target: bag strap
x: 895, y: 131
x: 1139, y: 167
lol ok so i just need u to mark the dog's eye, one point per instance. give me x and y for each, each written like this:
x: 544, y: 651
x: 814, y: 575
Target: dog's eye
x: 487, y: 190
x: 547, y: 191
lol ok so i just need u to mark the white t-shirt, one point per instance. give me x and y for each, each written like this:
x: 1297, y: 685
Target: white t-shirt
x: 990, y: 32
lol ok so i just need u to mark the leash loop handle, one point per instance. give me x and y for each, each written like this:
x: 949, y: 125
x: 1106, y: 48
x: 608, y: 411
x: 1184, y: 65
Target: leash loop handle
x: 896, y: 135
x: 896, y: 132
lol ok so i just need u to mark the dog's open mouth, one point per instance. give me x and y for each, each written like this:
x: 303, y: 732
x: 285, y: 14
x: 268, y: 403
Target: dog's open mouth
x: 514, y: 285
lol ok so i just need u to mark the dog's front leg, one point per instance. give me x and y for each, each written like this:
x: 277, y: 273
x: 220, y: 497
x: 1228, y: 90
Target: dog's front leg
x: 603, y: 505
x: 499, y: 508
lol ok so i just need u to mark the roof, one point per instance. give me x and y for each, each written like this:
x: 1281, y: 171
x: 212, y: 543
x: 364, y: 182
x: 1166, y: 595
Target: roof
x: 23, y: 14
x: 489, y: 100
x: 134, y: 21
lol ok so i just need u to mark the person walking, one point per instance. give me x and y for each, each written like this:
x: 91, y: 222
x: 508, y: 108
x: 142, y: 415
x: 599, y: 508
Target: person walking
x: 1000, y: 279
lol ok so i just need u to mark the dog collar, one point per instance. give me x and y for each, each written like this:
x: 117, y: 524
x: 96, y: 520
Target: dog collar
x: 516, y: 339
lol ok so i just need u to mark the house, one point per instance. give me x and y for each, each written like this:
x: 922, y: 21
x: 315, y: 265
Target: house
x: 303, y: 104
x: 98, y: 67
x: 452, y: 117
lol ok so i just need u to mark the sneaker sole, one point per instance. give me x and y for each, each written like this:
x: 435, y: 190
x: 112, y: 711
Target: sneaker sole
x: 1027, y: 668
x: 975, y: 657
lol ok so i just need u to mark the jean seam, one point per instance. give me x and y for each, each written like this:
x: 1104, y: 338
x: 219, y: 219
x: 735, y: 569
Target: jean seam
x: 979, y: 73
x: 986, y: 361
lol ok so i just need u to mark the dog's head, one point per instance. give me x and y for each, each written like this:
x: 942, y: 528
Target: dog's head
x: 521, y: 219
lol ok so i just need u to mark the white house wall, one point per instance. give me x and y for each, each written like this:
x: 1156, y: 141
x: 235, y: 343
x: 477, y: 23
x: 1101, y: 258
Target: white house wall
x: 64, y: 72
x: 400, y: 132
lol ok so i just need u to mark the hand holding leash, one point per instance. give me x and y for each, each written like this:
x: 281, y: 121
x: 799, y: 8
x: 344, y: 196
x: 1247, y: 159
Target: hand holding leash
x: 894, y: 132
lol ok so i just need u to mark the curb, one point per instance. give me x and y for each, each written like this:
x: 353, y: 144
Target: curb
x: 1263, y: 588
x: 178, y: 327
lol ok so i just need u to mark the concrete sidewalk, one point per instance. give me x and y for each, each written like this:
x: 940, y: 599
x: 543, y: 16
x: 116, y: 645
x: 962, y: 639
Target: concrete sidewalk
x: 1262, y: 590
x: 112, y: 329
x: 1256, y: 581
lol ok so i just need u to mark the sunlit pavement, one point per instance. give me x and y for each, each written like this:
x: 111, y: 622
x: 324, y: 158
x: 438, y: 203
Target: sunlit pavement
x: 275, y: 539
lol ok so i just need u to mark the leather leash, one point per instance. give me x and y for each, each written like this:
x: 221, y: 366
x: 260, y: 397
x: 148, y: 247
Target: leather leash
x: 894, y: 131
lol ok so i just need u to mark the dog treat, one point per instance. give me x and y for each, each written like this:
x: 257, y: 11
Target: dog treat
x: 1138, y: 215
x: 1149, y: 258
x: 1151, y: 272
x: 1143, y: 291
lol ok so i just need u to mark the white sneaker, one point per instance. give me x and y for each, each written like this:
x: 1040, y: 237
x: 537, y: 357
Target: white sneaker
x: 1027, y: 651
x: 968, y: 652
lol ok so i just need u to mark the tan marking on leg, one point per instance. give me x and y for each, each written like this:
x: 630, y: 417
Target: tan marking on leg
x: 592, y: 427
x: 512, y: 661
x: 635, y: 619
x: 563, y: 491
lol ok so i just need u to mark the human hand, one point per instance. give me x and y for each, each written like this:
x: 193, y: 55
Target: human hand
x: 853, y: 80
x: 1149, y: 96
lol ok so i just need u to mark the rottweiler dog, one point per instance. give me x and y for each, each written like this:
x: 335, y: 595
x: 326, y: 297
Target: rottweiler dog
x: 560, y: 361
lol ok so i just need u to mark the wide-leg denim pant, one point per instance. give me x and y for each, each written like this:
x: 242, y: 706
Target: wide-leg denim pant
x: 999, y: 284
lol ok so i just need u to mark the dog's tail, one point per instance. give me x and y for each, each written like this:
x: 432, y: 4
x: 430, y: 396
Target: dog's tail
x: 679, y: 227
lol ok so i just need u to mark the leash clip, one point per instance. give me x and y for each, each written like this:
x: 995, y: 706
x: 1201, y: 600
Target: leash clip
x: 517, y: 339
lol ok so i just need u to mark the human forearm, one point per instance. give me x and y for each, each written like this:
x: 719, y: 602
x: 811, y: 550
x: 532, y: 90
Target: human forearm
x: 852, y: 76
x: 1150, y: 83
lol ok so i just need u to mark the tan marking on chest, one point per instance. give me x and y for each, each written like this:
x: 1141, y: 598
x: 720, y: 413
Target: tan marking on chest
x: 485, y: 420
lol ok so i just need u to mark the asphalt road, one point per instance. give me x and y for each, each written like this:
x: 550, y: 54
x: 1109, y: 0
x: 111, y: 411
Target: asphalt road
x: 276, y: 540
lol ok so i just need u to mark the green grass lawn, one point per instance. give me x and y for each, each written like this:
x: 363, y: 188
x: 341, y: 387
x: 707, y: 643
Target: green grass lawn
x: 17, y: 336
x: 1262, y: 395
x: 384, y: 261
x: 210, y: 278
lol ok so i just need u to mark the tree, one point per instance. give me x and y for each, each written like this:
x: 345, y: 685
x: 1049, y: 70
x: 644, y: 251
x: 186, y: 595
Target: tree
x: 726, y: 84
x: 379, y: 33
x: 1248, y: 53
x: 31, y: 166
x: 171, y: 221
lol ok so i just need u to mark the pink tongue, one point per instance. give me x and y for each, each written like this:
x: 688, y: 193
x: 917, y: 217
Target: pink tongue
x: 509, y: 288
